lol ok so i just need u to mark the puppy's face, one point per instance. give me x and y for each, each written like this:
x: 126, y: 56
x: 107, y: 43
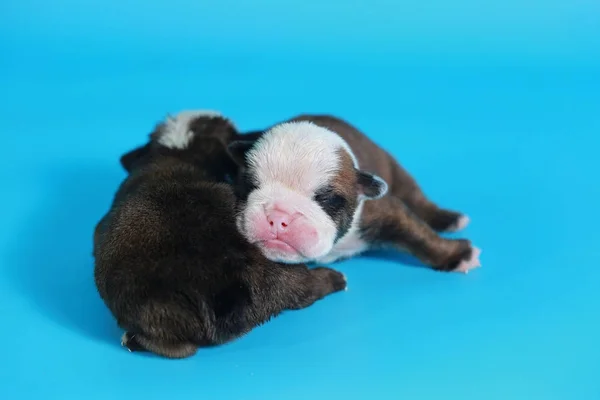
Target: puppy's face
x: 299, y: 191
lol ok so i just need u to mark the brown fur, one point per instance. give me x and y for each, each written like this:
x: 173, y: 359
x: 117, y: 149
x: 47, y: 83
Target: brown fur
x: 172, y: 267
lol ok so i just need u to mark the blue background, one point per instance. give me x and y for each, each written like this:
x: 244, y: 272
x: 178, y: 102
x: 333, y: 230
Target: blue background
x: 494, y: 106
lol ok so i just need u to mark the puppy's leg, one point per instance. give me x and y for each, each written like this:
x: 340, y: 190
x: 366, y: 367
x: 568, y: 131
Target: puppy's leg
x: 389, y: 222
x: 406, y: 188
x: 140, y: 342
x: 299, y: 287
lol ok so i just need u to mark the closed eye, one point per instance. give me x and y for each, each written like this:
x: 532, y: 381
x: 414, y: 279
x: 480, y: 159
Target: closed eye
x: 331, y: 202
x: 336, y: 201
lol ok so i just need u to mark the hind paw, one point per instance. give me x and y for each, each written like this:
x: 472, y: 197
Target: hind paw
x: 464, y: 259
x: 470, y: 262
x: 460, y: 224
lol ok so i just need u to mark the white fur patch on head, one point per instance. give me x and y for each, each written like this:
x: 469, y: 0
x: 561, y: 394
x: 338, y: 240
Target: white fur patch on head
x: 299, y: 155
x: 289, y: 164
x: 176, y: 133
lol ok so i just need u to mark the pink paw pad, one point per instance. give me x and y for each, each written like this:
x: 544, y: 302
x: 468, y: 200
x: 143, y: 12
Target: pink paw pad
x: 460, y: 224
x: 470, y: 263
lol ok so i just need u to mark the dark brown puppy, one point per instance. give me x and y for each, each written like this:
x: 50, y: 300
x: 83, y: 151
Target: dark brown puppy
x: 170, y: 263
x: 315, y: 188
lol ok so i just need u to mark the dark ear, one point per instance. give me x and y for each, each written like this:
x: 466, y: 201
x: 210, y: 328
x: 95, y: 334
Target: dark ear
x: 371, y: 186
x: 238, y: 149
x: 131, y: 159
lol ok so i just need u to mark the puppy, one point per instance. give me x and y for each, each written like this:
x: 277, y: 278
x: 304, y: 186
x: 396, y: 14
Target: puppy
x: 169, y: 262
x: 316, y: 189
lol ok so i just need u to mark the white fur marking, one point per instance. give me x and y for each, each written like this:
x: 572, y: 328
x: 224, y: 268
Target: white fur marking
x: 460, y: 224
x: 299, y: 155
x: 274, y: 194
x: 472, y: 263
x: 176, y: 129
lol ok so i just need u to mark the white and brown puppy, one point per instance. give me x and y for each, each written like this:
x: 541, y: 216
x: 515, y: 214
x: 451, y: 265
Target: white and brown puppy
x: 315, y: 188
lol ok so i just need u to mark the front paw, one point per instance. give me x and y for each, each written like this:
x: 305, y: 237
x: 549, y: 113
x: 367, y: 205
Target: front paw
x: 334, y: 278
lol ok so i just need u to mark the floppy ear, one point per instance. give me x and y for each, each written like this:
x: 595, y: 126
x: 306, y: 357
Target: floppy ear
x: 371, y: 186
x: 131, y: 159
x: 238, y: 149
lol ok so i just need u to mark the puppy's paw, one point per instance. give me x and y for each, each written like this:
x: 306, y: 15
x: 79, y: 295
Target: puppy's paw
x: 339, y: 281
x: 468, y: 261
x: 465, y: 259
x: 460, y: 224
x: 334, y: 278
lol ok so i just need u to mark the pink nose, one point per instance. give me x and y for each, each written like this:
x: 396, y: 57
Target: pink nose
x: 278, y: 220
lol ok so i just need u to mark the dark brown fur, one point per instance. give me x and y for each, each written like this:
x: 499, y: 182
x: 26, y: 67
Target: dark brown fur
x: 404, y: 218
x: 339, y: 199
x: 170, y: 264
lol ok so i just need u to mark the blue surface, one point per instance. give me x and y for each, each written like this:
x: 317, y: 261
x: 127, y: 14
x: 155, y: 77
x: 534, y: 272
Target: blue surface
x: 494, y: 107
